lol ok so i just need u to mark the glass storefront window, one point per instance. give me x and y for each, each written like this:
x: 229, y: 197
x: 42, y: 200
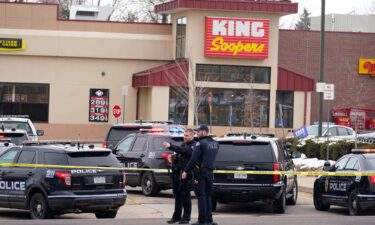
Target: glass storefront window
x: 25, y: 99
x: 178, y: 107
x: 284, y: 103
x: 180, y: 38
x: 238, y: 74
x: 244, y: 107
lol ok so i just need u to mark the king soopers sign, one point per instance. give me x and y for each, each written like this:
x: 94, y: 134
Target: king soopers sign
x: 236, y: 38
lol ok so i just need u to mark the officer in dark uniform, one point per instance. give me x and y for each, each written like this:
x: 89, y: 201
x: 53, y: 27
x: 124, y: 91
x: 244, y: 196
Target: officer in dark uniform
x: 182, y: 188
x: 202, y: 165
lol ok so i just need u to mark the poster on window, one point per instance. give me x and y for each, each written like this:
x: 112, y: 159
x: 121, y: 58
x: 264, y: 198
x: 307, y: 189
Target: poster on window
x: 99, y: 105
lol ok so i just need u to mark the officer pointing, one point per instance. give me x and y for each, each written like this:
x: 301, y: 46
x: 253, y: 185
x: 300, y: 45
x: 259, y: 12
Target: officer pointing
x: 202, y: 165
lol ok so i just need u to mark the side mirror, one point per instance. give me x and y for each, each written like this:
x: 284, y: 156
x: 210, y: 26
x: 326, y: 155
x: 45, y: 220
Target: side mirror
x: 327, y: 166
x: 40, y: 133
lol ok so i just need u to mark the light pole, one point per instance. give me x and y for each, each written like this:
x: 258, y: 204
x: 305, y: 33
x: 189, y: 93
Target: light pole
x: 322, y: 30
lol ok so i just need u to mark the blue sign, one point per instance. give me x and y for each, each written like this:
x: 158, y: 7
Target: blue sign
x: 300, y: 132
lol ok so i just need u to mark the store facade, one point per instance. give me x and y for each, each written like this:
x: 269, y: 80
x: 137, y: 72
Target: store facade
x: 68, y: 75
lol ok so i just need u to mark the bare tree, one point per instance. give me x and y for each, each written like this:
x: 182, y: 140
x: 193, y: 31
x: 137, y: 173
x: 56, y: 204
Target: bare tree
x: 188, y: 87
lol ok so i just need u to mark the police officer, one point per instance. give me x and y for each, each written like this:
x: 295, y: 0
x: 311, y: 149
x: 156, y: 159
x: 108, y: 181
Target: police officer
x: 202, y: 165
x: 182, y: 188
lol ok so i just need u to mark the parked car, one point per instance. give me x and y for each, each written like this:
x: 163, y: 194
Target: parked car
x: 17, y: 123
x: 118, y: 131
x: 333, y: 132
x: 14, y: 136
x: 357, y: 193
x: 145, y: 150
x: 244, y: 152
x: 49, y: 191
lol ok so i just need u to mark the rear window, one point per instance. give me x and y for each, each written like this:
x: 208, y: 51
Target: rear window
x: 54, y: 158
x: 95, y: 158
x: 116, y: 134
x: 245, y: 152
x: 15, y: 138
x: 17, y: 125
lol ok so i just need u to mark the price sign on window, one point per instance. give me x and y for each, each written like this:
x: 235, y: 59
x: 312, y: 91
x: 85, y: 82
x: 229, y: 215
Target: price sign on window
x: 99, y: 105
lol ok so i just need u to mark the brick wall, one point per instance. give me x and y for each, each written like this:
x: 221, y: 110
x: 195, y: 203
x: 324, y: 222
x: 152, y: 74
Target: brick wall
x: 299, y: 51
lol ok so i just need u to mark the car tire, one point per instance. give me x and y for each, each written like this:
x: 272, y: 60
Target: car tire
x: 106, y: 214
x: 293, y: 199
x: 39, y: 208
x: 280, y: 203
x: 318, y: 200
x: 149, y: 185
x: 214, y: 204
x: 353, y: 205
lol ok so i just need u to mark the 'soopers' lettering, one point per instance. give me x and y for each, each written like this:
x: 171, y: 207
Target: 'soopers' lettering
x: 218, y: 44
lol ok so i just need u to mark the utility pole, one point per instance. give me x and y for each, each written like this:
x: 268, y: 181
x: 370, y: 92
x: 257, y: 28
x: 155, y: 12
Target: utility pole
x: 322, y: 30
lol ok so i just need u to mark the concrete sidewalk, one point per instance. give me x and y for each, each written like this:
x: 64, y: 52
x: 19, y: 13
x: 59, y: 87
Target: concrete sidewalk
x: 306, y: 184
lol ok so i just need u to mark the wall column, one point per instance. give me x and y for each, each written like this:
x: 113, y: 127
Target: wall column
x: 159, y: 108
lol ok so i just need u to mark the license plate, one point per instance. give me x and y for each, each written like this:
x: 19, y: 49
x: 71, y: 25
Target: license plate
x: 240, y: 176
x: 99, y: 180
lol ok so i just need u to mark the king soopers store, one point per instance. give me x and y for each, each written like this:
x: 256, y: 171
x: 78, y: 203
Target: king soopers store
x: 216, y: 63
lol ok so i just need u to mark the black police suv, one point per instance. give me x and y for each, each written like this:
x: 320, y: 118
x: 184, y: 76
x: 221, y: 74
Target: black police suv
x: 244, y: 152
x: 52, y: 191
x: 357, y: 193
x: 118, y: 131
x: 145, y: 151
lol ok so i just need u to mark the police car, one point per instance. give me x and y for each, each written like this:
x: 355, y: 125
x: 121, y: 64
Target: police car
x: 254, y: 152
x: 13, y: 135
x: 357, y: 193
x: 48, y: 191
x: 145, y: 151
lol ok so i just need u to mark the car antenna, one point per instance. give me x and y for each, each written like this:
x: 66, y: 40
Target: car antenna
x: 78, y: 145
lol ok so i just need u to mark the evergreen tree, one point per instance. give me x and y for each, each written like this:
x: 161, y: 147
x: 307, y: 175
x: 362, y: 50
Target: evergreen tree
x: 304, y: 21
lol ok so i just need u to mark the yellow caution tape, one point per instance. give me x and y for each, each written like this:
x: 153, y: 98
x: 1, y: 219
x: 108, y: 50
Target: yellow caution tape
x: 302, y: 173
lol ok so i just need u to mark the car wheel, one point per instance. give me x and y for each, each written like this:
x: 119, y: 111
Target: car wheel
x: 318, y: 200
x: 214, y: 204
x: 39, y: 208
x: 353, y: 204
x: 106, y: 214
x: 149, y: 185
x: 280, y: 203
x: 293, y: 199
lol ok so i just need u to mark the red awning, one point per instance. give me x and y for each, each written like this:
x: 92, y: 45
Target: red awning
x: 174, y: 73
x: 291, y: 81
x: 273, y: 6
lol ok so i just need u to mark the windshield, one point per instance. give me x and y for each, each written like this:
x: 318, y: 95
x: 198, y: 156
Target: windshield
x: 313, y: 130
x: 17, y: 125
x: 371, y: 163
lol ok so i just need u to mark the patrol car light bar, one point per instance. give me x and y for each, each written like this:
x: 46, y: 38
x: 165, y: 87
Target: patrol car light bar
x: 153, y: 121
x: 152, y: 130
x: 363, y: 151
x: 231, y: 134
x: 59, y: 142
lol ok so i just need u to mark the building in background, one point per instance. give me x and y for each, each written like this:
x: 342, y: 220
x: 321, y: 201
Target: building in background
x: 90, y: 12
x: 346, y: 23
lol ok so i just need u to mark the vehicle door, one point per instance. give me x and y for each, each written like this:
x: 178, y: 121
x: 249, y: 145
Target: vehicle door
x: 288, y: 165
x: 8, y: 157
x: 350, y: 181
x: 332, y: 134
x: 335, y: 185
x: 21, y: 177
x: 345, y: 133
x: 121, y: 149
x: 133, y: 159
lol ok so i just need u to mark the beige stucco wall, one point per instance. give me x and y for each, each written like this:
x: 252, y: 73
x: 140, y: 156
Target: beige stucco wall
x: 159, y: 103
x: 299, y: 109
x: 195, y: 34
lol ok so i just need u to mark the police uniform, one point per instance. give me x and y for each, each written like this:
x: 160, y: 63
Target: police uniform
x: 181, y: 188
x: 202, y: 165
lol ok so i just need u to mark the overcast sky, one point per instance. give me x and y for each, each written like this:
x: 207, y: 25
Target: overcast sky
x: 364, y: 7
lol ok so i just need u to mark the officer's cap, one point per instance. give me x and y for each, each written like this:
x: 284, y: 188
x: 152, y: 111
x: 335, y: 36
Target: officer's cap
x: 203, y: 127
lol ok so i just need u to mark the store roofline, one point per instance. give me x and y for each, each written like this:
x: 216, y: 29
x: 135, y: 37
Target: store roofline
x: 284, y: 7
x: 327, y: 31
x: 89, y: 21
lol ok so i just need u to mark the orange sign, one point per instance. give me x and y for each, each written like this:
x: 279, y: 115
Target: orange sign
x: 366, y: 66
x: 236, y: 38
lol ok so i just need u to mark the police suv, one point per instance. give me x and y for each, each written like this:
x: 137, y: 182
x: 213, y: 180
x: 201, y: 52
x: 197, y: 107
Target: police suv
x: 145, y: 151
x: 254, y: 152
x: 357, y: 193
x: 48, y: 190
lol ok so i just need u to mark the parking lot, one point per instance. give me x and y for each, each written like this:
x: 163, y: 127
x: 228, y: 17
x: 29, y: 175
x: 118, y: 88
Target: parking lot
x: 156, y: 210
